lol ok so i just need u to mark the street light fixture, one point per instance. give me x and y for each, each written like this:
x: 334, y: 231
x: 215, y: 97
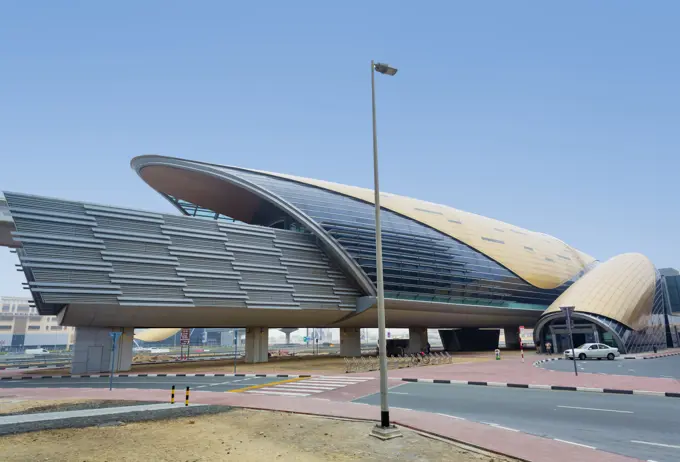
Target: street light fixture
x: 384, y: 430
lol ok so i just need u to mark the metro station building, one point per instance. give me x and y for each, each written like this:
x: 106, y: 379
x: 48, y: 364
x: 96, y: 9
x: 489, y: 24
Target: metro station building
x: 263, y: 250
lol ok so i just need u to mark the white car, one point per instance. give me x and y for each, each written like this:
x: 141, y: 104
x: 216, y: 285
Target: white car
x: 593, y: 350
x: 159, y: 350
x: 36, y: 351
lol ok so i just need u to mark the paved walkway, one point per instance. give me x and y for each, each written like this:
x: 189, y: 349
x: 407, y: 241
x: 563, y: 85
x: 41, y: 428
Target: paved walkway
x: 44, y: 416
x: 519, y: 445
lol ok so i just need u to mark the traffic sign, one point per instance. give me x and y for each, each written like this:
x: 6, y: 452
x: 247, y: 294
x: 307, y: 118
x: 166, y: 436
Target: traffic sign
x: 185, y: 336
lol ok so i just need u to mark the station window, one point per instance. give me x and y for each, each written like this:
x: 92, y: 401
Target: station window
x: 429, y: 211
x: 497, y: 241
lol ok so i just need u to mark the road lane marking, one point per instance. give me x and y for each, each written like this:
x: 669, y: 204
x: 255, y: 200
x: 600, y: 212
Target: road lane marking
x: 329, y: 384
x: 656, y: 444
x: 264, y: 385
x: 306, y: 385
x: 452, y: 416
x: 495, y: 425
x: 294, y: 389
x: 596, y: 409
x: 575, y: 444
x: 278, y: 393
x: 398, y: 393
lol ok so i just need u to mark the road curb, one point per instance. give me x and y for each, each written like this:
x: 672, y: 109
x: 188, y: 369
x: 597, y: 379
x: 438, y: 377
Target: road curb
x: 663, y: 355
x: 659, y: 356
x: 94, y: 376
x: 615, y: 391
x: 541, y: 361
x: 13, y: 368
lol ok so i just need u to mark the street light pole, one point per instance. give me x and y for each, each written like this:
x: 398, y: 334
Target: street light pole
x: 383, y: 431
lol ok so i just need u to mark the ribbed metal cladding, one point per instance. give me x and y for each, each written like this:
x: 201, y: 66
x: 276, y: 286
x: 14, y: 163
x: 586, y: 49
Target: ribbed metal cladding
x: 83, y: 253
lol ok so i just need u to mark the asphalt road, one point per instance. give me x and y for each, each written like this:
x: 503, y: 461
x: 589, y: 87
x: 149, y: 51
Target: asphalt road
x: 660, y: 367
x: 645, y: 427
x: 147, y: 383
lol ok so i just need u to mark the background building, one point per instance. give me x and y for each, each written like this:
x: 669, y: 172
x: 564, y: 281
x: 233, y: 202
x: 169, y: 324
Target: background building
x: 21, y: 326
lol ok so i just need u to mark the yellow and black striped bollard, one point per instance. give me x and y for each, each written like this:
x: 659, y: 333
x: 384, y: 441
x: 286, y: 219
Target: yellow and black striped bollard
x: 186, y: 400
x: 172, y: 395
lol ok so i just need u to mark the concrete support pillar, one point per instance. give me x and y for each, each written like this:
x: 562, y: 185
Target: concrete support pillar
x: 93, y: 347
x: 417, y: 339
x: 257, y: 344
x: 350, y: 341
x: 511, y: 337
x: 288, y: 331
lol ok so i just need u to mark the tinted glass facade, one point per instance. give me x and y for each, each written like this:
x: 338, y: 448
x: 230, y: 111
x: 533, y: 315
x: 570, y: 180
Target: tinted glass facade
x: 420, y: 263
x: 673, y: 285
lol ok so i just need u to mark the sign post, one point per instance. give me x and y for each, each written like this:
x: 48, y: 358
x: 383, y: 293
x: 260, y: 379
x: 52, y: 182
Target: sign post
x: 521, y: 344
x: 184, y: 339
x: 114, y: 341
x: 235, y: 348
x: 567, y: 310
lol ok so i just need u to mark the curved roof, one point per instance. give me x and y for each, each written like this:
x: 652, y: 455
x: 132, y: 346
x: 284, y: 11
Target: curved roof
x: 542, y: 260
x: 155, y: 335
x: 621, y: 288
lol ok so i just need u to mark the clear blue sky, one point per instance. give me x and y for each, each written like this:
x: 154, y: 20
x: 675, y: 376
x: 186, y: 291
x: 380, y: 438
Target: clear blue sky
x: 559, y: 117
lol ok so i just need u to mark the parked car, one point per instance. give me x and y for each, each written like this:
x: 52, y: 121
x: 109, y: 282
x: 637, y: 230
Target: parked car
x: 593, y: 350
x: 159, y: 350
x: 36, y: 351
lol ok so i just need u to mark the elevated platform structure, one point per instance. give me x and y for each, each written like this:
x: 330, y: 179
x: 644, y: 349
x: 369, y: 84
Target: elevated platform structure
x: 256, y: 249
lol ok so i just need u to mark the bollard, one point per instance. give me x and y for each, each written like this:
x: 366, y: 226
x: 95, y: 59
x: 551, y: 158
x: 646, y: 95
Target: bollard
x: 498, y: 354
x: 172, y: 395
x: 186, y: 400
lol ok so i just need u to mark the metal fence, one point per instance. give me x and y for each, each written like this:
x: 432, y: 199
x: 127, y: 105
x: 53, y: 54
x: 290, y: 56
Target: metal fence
x: 372, y: 363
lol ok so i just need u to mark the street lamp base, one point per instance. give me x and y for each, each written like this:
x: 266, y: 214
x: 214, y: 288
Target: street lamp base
x: 386, y: 433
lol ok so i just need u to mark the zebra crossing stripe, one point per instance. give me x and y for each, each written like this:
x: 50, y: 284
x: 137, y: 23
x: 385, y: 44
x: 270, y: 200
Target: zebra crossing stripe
x: 296, y: 389
x: 279, y: 393
x: 265, y: 385
x: 314, y: 387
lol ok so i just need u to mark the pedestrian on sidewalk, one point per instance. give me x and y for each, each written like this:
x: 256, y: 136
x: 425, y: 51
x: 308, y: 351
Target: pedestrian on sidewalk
x: 538, y: 347
x: 548, y: 347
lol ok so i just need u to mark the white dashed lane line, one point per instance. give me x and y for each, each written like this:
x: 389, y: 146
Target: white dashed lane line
x: 595, y: 409
x: 575, y: 444
x: 661, y: 445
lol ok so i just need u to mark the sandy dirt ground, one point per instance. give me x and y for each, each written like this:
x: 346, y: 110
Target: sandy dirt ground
x: 329, y: 365
x: 10, y: 406
x: 242, y: 435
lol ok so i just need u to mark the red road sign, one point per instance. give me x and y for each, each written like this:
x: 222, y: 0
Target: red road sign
x: 184, y: 337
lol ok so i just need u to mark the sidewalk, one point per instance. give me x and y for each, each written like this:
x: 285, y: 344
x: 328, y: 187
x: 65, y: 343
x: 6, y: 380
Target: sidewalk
x: 64, y: 415
x: 519, y: 445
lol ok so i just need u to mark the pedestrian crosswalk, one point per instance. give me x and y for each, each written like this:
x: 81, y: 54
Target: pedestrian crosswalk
x: 310, y: 386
